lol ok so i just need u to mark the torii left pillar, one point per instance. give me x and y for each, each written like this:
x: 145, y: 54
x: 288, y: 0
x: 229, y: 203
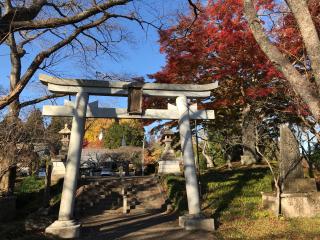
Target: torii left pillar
x: 66, y: 226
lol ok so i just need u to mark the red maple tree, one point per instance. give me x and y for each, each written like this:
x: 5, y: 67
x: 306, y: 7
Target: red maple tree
x: 219, y: 46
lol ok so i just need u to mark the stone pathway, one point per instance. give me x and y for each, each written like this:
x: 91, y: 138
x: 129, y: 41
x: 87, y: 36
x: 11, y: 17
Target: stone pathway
x: 143, y: 226
x: 146, y: 221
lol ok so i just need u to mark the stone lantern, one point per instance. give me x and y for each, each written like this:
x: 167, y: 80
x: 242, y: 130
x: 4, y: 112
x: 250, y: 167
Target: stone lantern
x: 168, y: 162
x: 65, y: 139
x: 58, y: 162
x: 167, y: 139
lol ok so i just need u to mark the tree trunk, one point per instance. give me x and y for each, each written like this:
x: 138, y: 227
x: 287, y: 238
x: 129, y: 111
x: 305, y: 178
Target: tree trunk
x: 302, y: 86
x: 15, y: 74
x: 249, y: 125
x: 5, y: 175
x: 299, y: 9
x: 46, y: 197
x: 8, y: 180
x: 278, y: 196
x: 210, y: 162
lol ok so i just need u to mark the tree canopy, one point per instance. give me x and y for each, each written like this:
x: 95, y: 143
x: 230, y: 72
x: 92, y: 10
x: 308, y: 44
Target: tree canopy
x: 131, y: 131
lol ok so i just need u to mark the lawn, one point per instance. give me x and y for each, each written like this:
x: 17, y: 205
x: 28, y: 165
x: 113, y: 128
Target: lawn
x: 29, y: 192
x: 233, y: 198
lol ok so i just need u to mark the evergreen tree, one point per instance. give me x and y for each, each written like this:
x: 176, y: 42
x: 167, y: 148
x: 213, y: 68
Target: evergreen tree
x: 34, y: 126
x: 133, y: 135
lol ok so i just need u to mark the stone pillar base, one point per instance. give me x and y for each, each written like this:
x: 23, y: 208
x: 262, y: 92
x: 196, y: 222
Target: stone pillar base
x: 169, y: 167
x: 294, y: 204
x: 189, y: 222
x: 64, y: 229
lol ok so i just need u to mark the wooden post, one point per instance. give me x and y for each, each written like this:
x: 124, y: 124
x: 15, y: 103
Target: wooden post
x: 125, y: 200
x: 135, y: 100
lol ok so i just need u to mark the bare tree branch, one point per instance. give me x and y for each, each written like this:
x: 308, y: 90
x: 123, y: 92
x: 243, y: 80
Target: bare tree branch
x: 14, y: 93
x: 196, y: 10
x: 28, y: 39
x: 40, y: 99
x: 26, y: 22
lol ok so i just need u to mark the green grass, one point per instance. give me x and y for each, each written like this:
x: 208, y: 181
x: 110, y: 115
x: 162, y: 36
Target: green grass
x: 175, y: 187
x: 29, y: 192
x: 230, y: 194
x: 29, y: 184
x: 233, y: 199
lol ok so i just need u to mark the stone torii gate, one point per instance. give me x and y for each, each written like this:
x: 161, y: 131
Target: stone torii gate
x: 80, y: 109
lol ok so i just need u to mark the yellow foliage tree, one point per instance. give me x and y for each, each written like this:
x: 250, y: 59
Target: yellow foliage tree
x: 135, y: 123
x: 94, y: 127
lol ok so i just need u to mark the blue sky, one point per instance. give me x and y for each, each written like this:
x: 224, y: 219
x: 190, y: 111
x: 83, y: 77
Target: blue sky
x: 139, y: 58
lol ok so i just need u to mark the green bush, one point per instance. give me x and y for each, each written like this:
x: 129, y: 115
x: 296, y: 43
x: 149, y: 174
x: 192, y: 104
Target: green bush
x: 30, y: 184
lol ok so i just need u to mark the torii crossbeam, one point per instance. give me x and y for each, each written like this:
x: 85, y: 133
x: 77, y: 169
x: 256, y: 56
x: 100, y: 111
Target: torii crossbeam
x: 65, y: 226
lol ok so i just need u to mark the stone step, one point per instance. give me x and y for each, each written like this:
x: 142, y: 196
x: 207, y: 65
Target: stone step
x: 102, y: 194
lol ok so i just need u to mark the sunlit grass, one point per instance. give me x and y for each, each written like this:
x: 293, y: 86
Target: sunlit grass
x: 233, y: 198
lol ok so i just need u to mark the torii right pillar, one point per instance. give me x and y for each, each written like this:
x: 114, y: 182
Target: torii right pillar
x: 194, y: 220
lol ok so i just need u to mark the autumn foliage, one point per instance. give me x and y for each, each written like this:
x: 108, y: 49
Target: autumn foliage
x: 113, y: 132
x: 219, y: 46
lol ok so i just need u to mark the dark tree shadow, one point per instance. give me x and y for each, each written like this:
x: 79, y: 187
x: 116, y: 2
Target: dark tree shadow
x: 119, y: 228
x: 241, y: 176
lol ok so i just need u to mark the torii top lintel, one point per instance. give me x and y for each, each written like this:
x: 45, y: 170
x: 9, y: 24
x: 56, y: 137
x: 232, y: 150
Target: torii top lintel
x: 120, y: 88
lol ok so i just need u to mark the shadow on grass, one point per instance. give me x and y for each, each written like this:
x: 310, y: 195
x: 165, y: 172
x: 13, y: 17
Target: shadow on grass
x: 223, y: 186
x: 176, y: 191
x: 237, y: 180
x: 28, y: 202
x: 30, y: 197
